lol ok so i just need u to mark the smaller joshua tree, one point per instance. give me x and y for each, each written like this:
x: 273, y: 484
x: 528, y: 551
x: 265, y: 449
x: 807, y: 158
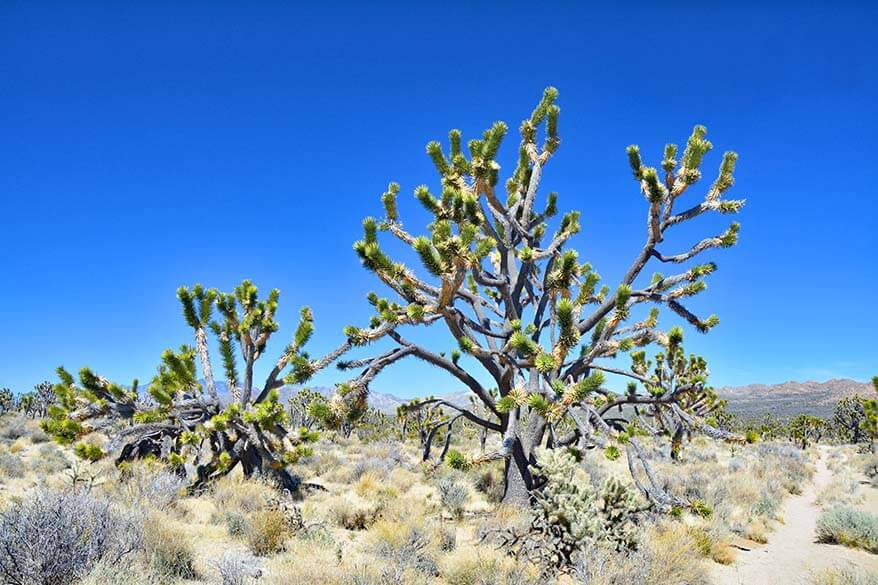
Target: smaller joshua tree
x: 181, y: 420
x: 806, y: 428
x: 848, y: 417
x: 684, y: 380
x: 870, y: 417
x: 7, y: 400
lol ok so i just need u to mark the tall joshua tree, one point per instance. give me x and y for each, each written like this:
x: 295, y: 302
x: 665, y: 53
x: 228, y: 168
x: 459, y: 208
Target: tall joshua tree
x: 518, y: 300
x: 182, y: 420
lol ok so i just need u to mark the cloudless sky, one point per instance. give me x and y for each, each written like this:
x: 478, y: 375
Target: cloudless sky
x: 148, y: 145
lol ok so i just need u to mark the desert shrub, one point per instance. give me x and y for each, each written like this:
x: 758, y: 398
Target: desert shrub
x: 489, y: 481
x: 167, y: 551
x: 444, y: 537
x: 14, y: 427
x: 403, y: 546
x: 475, y: 565
x: 125, y: 574
x: 844, y: 576
x: 666, y: 555
x: 142, y: 484
x: 234, y: 492
x: 57, y: 538
x: 267, y: 532
x: 871, y: 469
x: 453, y: 496
x: 237, y: 567
x: 850, y: 527
x: 49, y: 460
x: 379, y: 466
x: 11, y: 465
x: 236, y: 523
x: 351, y: 515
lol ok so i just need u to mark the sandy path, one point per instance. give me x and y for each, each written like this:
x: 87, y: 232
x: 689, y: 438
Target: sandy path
x: 792, y: 555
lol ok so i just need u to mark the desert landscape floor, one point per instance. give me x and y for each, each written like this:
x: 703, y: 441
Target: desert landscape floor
x: 792, y: 553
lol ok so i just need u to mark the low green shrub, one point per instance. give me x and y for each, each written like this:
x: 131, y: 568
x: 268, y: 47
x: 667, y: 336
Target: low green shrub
x: 850, y: 527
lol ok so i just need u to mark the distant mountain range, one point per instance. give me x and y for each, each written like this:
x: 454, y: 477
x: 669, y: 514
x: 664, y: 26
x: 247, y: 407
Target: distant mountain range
x: 782, y: 400
x: 791, y: 398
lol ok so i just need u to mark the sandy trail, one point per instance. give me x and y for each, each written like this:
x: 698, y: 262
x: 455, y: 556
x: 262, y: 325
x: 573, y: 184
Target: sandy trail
x: 792, y: 555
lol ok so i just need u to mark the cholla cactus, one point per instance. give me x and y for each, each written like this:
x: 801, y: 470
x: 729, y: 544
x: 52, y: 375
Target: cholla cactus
x: 519, y: 302
x: 182, y: 421
x: 570, y: 515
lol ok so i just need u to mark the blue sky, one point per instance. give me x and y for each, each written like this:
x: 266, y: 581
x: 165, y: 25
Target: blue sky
x: 144, y: 147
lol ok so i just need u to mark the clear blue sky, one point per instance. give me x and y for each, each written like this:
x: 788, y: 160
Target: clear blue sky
x: 144, y: 147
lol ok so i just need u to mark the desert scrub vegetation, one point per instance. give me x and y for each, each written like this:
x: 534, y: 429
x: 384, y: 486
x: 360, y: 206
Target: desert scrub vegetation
x: 58, y: 538
x: 850, y: 527
x: 844, y: 576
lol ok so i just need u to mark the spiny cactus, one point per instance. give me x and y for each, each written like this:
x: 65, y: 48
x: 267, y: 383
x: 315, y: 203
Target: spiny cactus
x: 570, y: 515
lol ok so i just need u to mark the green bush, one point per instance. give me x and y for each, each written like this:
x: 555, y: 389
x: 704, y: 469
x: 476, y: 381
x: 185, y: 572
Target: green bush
x: 850, y: 527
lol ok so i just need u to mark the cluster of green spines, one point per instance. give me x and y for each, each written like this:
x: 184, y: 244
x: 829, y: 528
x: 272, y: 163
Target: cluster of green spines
x: 456, y: 460
x: 176, y: 374
x: 88, y: 451
x: 693, y: 155
x: 197, y: 304
x: 268, y: 413
x: 571, y: 515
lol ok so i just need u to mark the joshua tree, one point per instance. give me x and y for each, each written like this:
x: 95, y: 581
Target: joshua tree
x: 525, y: 310
x: 27, y: 404
x: 7, y: 400
x: 299, y: 406
x: 870, y: 417
x: 183, y: 421
x: 806, y: 428
x: 44, y: 397
x: 849, y: 416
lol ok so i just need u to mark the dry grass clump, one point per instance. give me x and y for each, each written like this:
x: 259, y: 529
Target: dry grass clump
x: 267, y: 532
x: 11, y: 466
x: 352, y: 513
x: 454, y: 496
x: 481, y: 565
x: 668, y: 553
x: 147, y: 485
x: 306, y: 561
x: 49, y: 460
x: 844, y: 576
x: 371, y: 485
x: 234, y: 492
x: 850, y: 527
x: 167, y: 550
x: 844, y: 489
